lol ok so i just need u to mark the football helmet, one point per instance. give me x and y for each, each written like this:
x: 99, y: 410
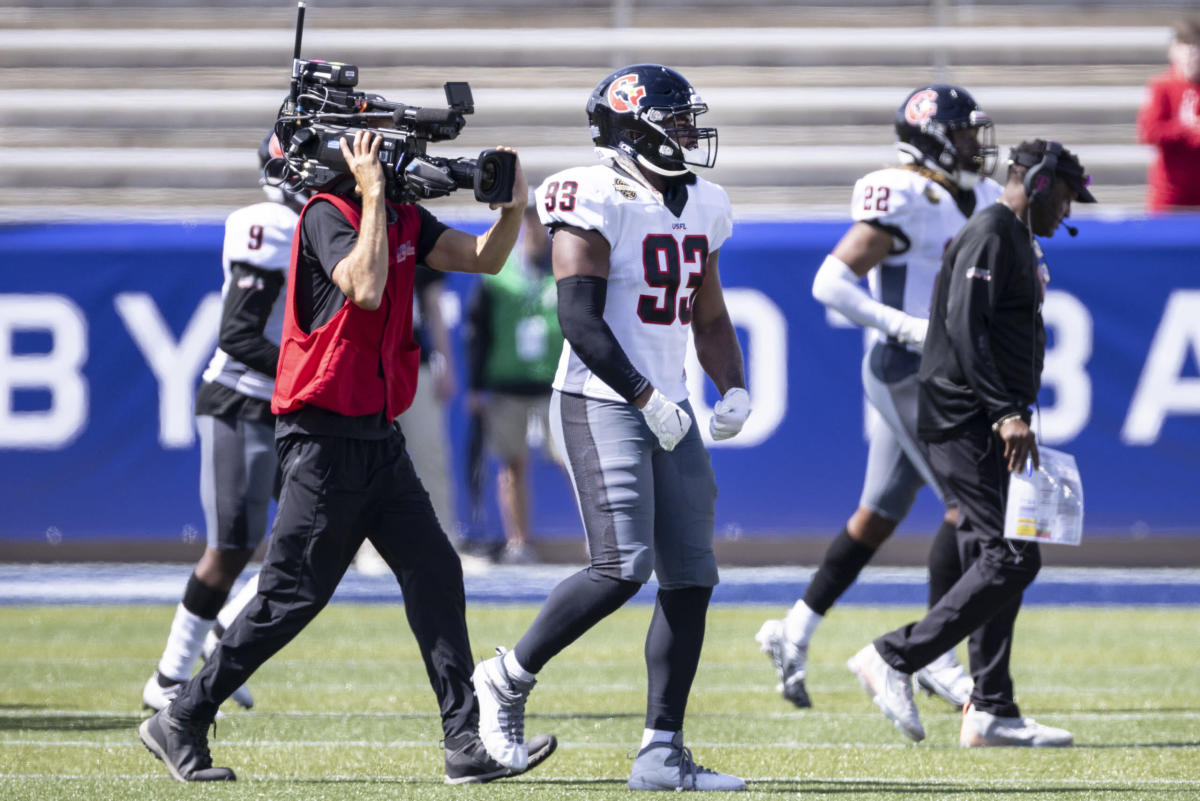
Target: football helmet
x: 942, y: 127
x: 270, y: 173
x: 648, y: 112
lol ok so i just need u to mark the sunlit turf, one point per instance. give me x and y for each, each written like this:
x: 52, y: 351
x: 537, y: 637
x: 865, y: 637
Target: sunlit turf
x: 345, y: 711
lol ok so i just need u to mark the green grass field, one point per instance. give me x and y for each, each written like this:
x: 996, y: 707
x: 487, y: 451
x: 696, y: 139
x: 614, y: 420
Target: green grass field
x: 345, y: 712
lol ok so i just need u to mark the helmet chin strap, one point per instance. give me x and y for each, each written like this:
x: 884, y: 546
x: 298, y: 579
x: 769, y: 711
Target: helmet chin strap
x: 960, y: 177
x: 642, y: 160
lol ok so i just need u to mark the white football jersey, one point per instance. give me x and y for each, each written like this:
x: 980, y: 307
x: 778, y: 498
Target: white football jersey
x: 261, y: 236
x: 658, y: 261
x: 924, y: 218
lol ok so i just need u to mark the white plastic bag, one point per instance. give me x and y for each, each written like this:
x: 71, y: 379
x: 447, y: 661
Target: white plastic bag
x: 1046, y: 506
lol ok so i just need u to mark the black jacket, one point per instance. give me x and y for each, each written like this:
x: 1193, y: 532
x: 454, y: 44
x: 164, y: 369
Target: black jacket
x: 984, y: 349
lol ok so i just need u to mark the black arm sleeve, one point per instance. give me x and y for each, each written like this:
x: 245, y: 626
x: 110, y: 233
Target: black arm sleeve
x: 478, y: 334
x: 248, y: 302
x: 581, y: 317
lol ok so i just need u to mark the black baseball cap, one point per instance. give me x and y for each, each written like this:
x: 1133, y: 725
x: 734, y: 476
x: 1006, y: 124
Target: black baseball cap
x: 1031, y: 152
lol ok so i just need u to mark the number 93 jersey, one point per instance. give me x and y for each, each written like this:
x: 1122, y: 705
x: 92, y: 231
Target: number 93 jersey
x: 922, y: 217
x: 657, y: 263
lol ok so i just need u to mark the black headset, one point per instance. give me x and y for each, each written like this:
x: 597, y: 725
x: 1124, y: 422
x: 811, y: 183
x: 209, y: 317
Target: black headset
x: 1039, y: 178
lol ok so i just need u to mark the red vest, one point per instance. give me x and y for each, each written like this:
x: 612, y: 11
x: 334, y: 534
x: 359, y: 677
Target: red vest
x: 359, y: 362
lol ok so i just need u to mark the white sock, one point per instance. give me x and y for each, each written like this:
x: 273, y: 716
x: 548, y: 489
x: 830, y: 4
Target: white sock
x: 801, y: 623
x: 656, y: 736
x: 236, y: 604
x: 514, y: 667
x: 183, y: 644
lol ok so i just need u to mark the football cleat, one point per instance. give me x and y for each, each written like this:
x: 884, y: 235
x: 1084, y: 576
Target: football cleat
x: 470, y: 763
x: 789, y: 660
x: 182, y: 746
x: 983, y: 730
x: 945, y: 678
x: 890, y: 689
x: 241, y: 695
x: 669, y: 766
x: 502, y: 712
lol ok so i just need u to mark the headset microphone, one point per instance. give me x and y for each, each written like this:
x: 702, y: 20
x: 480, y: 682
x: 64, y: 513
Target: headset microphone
x: 1072, y: 230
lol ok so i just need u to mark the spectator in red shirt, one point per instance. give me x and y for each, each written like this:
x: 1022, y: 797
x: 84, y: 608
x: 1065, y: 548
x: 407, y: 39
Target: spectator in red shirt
x: 1170, y: 120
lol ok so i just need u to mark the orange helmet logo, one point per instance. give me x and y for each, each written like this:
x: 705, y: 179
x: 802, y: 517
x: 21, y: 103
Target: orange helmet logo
x: 624, y: 93
x: 921, y: 107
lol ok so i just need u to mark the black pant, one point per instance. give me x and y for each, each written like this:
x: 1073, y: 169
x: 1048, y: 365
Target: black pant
x: 984, y: 602
x: 335, y: 492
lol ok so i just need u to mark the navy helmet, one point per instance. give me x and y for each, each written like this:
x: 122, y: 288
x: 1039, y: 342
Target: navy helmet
x: 926, y: 126
x: 648, y: 112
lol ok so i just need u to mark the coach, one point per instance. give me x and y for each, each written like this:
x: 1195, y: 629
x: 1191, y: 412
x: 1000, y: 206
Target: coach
x: 347, y: 368
x: 980, y: 374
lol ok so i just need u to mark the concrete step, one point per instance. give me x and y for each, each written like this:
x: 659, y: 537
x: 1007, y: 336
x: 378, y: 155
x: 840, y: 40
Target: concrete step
x: 737, y: 166
x: 883, y: 46
x: 745, y: 105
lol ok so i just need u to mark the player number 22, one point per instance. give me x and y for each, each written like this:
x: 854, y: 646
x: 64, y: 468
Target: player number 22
x: 879, y: 194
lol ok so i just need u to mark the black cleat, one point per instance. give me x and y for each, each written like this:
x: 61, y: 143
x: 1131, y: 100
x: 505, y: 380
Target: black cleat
x: 469, y: 762
x: 182, y: 745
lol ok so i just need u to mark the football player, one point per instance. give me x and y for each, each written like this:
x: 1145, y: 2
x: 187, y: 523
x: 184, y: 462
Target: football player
x: 904, y: 216
x: 634, y: 252
x: 238, y: 465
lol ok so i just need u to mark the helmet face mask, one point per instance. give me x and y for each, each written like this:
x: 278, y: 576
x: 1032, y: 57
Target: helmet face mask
x: 943, y: 128
x: 647, y: 112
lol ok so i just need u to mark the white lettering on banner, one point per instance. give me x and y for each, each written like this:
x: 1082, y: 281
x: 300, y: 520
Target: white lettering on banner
x: 58, y: 372
x: 1065, y: 368
x: 1162, y: 390
x: 176, y: 366
x: 766, y: 373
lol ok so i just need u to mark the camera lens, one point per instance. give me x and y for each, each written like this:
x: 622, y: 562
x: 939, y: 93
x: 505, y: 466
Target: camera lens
x: 487, y: 175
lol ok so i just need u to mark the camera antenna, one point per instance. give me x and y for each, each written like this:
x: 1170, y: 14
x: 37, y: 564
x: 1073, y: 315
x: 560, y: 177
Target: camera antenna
x: 295, y: 90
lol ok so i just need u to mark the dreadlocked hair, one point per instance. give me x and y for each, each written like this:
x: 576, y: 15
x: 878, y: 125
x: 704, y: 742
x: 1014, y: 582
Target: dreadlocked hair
x: 933, y: 175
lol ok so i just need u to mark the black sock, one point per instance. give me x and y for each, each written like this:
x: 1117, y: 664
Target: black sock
x: 202, y: 600
x: 574, y: 606
x: 945, y: 566
x: 672, y: 654
x: 844, y: 560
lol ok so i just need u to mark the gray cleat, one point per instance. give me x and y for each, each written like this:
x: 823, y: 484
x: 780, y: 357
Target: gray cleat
x: 670, y: 766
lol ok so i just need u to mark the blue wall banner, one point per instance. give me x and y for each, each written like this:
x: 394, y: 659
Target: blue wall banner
x: 104, y: 330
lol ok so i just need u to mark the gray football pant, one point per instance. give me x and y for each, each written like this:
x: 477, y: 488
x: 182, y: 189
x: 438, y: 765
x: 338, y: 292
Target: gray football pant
x: 644, y: 509
x: 239, y: 474
x: 897, y: 461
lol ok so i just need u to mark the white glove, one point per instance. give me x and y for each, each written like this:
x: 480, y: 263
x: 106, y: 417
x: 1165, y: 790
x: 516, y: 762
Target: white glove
x: 667, y: 420
x: 912, y: 330
x: 729, y: 414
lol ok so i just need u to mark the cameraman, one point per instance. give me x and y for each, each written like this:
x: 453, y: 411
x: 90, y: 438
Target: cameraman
x: 347, y: 368
x: 980, y: 372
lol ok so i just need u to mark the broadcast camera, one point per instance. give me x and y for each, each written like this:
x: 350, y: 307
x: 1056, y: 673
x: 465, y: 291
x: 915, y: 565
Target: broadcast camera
x: 323, y: 108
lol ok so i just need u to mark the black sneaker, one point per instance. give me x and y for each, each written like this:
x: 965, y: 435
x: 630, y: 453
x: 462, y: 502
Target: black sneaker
x: 182, y: 745
x: 468, y: 762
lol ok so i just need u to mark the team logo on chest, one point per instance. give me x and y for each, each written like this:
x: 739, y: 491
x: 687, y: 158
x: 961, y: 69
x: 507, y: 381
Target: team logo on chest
x: 404, y: 251
x: 625, y: 189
